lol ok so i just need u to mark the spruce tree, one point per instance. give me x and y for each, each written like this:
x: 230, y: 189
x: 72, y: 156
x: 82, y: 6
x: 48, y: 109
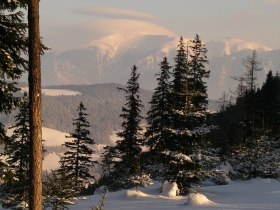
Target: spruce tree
x: 181, y: 137
x: 197, y: 73
x: 77, y: 160
x: 158, y: 132
x: 189, y: 100
x: 180, y: 100
x: 270, y: 95
x: 129, y: 146
x: 13, y: 48
x: 15, y: 194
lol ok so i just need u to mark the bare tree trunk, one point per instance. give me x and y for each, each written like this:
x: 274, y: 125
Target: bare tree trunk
x: 34, y: 79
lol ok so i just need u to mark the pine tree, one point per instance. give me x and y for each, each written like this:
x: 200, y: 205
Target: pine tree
x: 18, y: 154
x: 35, y: 105
x: 129, y: 147
x: 159, y: 117
x: 77, y: 160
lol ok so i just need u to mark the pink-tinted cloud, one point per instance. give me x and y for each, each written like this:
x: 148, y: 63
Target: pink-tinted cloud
x: 118, y: 13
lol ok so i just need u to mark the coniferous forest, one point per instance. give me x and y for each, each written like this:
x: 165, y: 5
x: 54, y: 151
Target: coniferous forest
x: 179, y: 140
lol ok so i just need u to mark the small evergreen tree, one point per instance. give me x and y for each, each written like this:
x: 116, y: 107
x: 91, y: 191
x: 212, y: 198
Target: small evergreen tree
x: 129, y: 147
x: 77, y: 160
x: 58, y: 190
x: 18, y: 153
x: 109, y: 157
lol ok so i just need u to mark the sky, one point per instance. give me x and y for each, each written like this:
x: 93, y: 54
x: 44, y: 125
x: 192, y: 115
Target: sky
x: 69, y: 24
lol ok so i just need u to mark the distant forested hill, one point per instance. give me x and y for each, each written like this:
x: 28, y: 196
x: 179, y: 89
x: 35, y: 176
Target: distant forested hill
x: 103, y: 101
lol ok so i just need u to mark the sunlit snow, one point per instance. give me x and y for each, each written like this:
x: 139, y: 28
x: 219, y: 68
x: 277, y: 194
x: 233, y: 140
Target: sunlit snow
x: 256, y: 194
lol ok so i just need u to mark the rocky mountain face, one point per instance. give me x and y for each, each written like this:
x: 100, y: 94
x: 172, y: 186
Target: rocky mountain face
x: 110, y: 59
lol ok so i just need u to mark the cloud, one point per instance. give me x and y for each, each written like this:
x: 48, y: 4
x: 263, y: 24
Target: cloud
x: 118, y: 13
x: 126, y: 28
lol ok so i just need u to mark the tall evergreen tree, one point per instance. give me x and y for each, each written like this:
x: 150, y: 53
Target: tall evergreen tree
x: 181, y: 138
x: 13, y: 47
x: 270, y: 102
x: 129, y: 146
x: 77, y: 160
x: 180, y: 99
x: 15, y: 194
x: 159, y: 116
x: 197, y: 73
x: 158, y: 133
x: 189, y: 100
x: 35, y: 105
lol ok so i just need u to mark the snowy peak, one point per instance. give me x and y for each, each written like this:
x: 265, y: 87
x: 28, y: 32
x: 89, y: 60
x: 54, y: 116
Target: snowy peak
x: 110, y: 58
x: 218, y: 48
x: 117, y: 44
x: 108, y: 45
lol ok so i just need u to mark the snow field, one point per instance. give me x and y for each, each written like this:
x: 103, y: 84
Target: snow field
x: 256, y: 194
x: 55, y: 92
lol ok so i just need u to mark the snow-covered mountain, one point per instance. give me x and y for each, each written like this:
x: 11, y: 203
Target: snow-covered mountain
x: 110, y: 58
x: 217, y: 48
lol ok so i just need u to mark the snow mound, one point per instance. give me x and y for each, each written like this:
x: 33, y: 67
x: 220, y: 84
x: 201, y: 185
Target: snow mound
x: 198, y: 199
x: 135, y: 194
x: 170, y: 189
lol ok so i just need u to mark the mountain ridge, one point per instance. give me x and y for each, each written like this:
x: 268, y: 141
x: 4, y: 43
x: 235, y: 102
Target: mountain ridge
x: 110, y: 61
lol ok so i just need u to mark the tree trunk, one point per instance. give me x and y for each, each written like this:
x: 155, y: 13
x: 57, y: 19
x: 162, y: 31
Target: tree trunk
x: 35, y: 105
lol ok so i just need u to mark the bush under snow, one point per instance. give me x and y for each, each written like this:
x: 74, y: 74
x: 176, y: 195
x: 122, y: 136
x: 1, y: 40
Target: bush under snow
x: 170, y: 189
x: 198, y: 199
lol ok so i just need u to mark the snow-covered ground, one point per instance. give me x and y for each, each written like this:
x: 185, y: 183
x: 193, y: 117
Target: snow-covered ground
x: 55, y: 92
x: 255, y: 194
x: 58, y: 92
x: 54, y: 137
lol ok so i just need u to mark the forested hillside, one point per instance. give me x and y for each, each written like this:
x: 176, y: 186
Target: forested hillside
x: 103, y: 102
